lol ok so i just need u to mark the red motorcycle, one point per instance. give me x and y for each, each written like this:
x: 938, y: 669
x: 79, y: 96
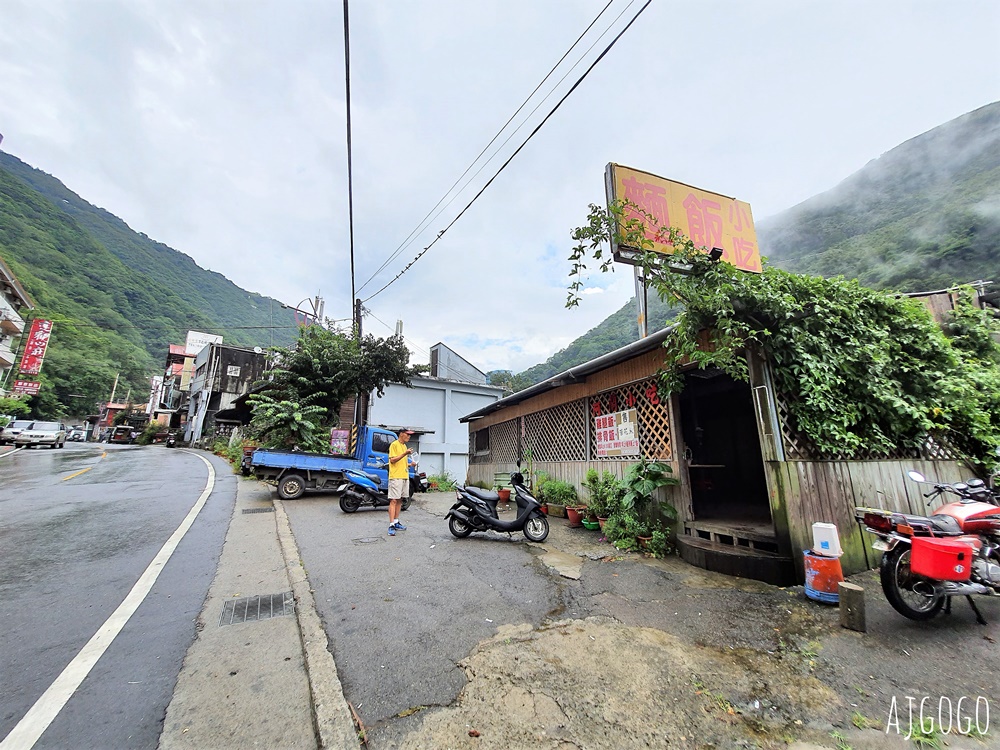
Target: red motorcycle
x: 955, y: 551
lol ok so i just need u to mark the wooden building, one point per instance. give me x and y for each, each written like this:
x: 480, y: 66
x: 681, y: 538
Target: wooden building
x: 750, y: 486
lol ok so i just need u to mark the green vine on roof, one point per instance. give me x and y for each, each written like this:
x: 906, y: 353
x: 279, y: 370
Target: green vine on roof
x: 865, y: 372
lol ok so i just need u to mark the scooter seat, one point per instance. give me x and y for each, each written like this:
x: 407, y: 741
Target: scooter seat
x: 482, y: 494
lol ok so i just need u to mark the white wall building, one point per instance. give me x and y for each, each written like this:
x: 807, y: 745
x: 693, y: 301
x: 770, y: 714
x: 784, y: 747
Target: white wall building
x: 433, y: 407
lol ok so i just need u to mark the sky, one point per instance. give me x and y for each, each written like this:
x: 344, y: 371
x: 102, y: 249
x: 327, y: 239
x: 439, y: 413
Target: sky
x: 219, y: 127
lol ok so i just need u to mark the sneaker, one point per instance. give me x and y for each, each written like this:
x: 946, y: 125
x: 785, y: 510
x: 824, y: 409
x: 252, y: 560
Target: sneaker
x: 399, y: 526
x: 392, y: 531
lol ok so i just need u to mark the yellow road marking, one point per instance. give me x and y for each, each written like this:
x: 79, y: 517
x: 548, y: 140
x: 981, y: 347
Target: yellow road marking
x: 82, y: 471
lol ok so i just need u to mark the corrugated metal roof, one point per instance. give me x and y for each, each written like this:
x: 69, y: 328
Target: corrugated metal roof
x: 576, y: 374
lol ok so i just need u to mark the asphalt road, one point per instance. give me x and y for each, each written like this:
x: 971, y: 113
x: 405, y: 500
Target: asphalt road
x: 78, y: 527
x: 402, y: 611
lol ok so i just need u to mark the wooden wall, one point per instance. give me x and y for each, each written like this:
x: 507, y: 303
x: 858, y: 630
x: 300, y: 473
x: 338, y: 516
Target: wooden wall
x: 804, y: 492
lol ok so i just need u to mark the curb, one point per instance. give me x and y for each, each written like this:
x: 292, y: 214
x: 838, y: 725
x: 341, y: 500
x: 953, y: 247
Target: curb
x: 331, y: 712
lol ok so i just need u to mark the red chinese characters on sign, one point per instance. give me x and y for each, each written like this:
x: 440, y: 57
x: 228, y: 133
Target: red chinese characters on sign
x: 709, y: 220
x: 616, y: 434
x: 26, y: 387
x: 652, y: 199
x: 34, y: 351
x: 704, y: 221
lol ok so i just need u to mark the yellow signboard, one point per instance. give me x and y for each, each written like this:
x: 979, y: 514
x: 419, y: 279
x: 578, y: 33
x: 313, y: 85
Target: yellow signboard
x: 710, y: 220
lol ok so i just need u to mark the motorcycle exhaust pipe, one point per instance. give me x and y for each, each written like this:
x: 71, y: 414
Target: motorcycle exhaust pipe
x: 962, y: 589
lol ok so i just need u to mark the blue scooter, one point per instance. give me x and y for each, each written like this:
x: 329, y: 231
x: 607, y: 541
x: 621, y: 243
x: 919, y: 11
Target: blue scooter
x: 364, y: 489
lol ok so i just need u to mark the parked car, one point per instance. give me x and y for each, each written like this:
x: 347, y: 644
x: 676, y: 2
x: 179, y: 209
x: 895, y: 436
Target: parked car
x: 52, y: 434
x: 122, y: 434
x: 76, y: 435
x: 11, y: 431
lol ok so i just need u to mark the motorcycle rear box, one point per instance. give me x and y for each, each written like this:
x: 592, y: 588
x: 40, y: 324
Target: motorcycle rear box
x: 941, y: 559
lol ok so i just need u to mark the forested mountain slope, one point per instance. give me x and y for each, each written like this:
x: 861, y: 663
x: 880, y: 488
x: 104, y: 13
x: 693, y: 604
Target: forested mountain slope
x: 118, y: 299
x: 242, y: 314
x: 923, y: 216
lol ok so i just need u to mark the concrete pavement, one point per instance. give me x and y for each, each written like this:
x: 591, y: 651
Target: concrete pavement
x: 728, y: 662
x: 271, y: 681
x: 258, y: 681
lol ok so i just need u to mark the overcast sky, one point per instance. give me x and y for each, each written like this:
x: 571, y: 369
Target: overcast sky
x: 219, y: 128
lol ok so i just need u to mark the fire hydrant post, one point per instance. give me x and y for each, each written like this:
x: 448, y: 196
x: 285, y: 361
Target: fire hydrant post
x: 852, y: 606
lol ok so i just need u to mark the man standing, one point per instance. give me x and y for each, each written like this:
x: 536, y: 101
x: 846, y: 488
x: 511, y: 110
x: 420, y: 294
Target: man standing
x: 399, y: 479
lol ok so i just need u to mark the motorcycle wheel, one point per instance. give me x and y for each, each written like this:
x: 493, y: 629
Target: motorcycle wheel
x: 349, y: 502
x: 536, y: 529
x: 897, y: 584
x: 458, y: 527
x: 291, y: 487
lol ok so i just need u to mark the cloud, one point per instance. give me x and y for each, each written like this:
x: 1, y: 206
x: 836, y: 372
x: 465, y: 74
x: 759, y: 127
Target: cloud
x: 220, y: 129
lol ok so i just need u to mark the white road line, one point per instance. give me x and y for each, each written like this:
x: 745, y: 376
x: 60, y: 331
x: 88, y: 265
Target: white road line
x: 11, y: 453
x: 47, y: 707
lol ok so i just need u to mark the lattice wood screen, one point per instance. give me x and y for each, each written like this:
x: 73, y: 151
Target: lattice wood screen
x: 654, y: 418
x: 556, y: 434
x: 800, y: 447
x: 504, y: 442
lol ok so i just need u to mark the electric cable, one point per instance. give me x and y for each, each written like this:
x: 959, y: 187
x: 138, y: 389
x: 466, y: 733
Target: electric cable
x: 511, y: 158
x: 424, y: 222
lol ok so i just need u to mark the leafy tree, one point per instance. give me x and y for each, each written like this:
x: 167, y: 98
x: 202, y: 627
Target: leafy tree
x: 863, y: 371
x: 288, y: 424
x: 510, y: 381
x: 304, y: 392
x: 14, y: 407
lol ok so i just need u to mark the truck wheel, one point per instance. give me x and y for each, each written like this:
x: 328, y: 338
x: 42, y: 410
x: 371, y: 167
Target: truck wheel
x: 406, y: 502
x: 291, y: 486
x: 349, y: 502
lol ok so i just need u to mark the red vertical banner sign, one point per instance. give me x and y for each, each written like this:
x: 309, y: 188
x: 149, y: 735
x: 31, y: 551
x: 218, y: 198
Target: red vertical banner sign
x: 34, y: 351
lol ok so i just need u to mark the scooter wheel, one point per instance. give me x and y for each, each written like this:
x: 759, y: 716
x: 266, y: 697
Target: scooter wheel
x: 349, y: 502
x: 902, y: 588
x: 458, y: 527
x: 406, y: 503
x: 536, y: 529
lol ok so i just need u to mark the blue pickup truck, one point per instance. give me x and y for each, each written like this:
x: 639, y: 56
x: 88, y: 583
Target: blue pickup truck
x: 294, y: 472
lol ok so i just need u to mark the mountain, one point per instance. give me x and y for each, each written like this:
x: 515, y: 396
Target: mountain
x: 118, y: 297
x: 923, y: 216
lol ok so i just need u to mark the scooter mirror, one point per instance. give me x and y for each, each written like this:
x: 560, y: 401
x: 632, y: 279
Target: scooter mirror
x: 916, y: 476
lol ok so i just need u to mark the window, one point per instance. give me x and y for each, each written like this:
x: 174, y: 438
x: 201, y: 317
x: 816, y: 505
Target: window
x: 482, y: 444
x: 381, y: 442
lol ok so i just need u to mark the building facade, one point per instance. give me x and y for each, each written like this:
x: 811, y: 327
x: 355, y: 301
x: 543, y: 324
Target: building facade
x: 13, y: 298
x: 222, y: 374
x: 751, y: 487
x: 433, y: 406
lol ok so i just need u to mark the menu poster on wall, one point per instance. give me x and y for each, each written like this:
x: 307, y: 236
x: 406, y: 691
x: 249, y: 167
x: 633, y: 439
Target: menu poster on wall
x: 617, y: 434
x: 340, y: 442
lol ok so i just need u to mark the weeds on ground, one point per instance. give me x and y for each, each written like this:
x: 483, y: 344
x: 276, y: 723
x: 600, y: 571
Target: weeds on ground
x: 861, y: 721
x: 925, y: 734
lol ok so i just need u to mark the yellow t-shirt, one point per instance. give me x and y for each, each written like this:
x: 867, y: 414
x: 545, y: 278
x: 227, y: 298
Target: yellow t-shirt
x: 398, y: 469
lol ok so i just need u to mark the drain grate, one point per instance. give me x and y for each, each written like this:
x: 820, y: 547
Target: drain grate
x: 253, y: 608
x: 258, y: 510
x: 369, y: 540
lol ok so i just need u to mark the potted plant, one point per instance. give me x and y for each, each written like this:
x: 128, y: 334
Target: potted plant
x: 561, y: 497
x: 606, y: 492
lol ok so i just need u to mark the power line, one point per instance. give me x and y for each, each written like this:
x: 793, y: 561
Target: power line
x: 424, y: 222
x: 511, y: 158
x: 350, y: 178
